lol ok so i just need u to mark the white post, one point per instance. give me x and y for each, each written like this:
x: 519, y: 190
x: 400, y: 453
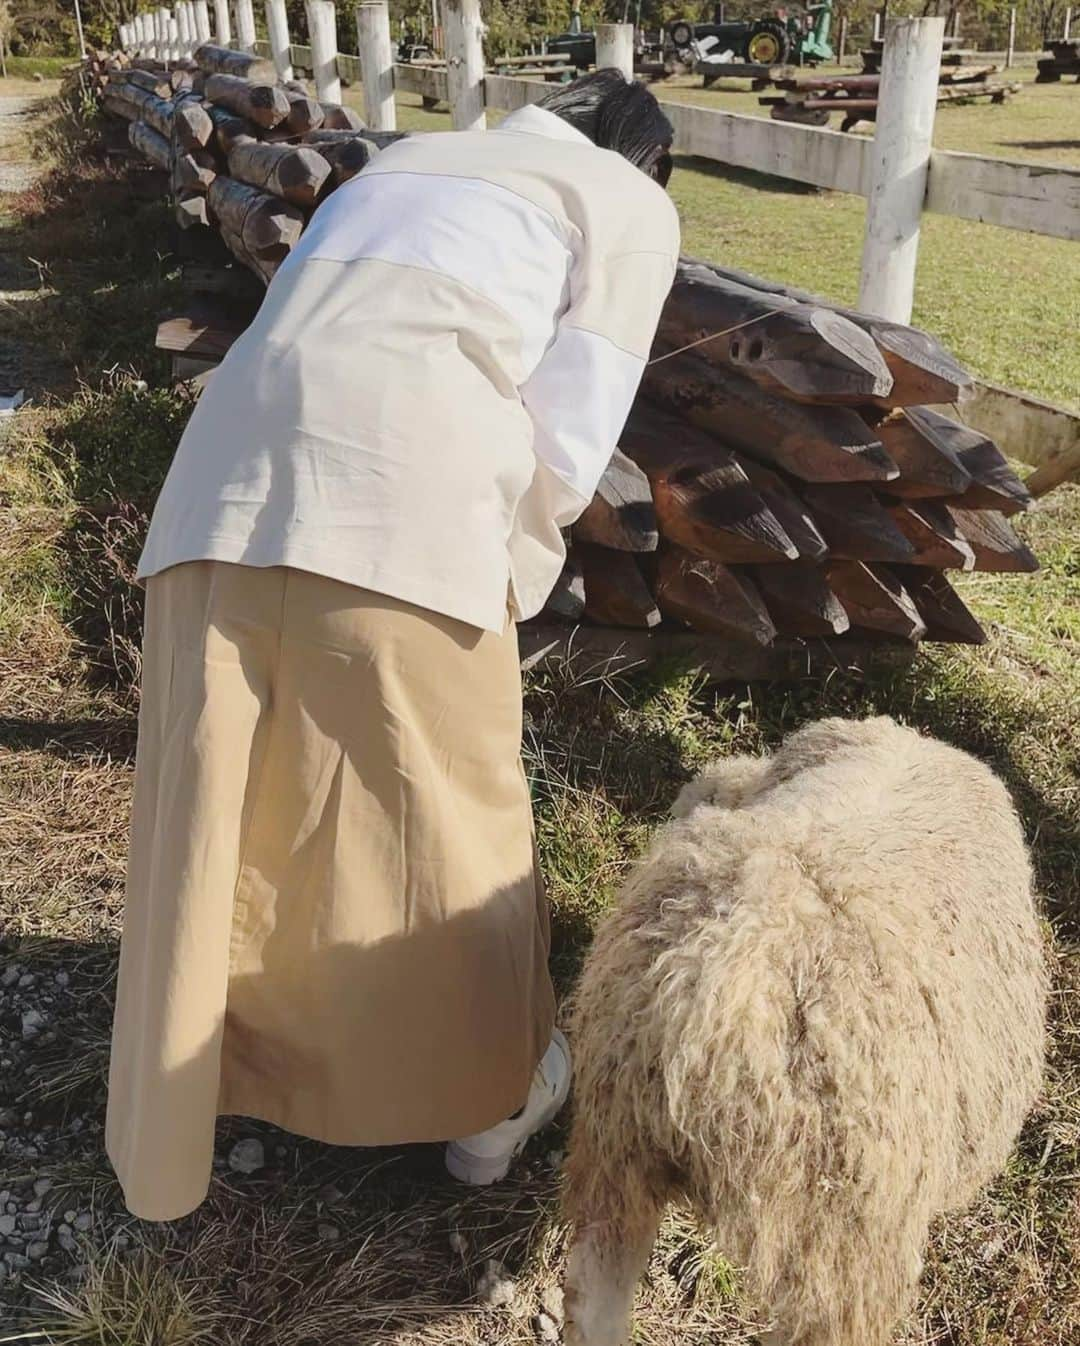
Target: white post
x: 615, y: 47
x: 462, y: 35
x: 161, y: 33
x: 245, y: 25
x: 222, y: 23
x: 183, y: 22
x: 1011, y: 49
x: 877, y: 25
x: 124, y: 33
x: 843, y: 38
x: 900, y: 162
x: 1068, y: 25
x: 202, y: 21
x: 277, y: 27
x: 174, y: 40
x: 322, y: 34
x: 376, y: 64
x: 140, y: 36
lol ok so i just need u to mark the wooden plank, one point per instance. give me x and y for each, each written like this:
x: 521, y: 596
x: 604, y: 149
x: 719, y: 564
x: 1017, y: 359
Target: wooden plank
x: 506, y: 93
x: 205, y: 330
x: 1040, y: 198
x: 819, y: 157
x: 709, y: 596
x: 621, y: 514
x: 422, y: 80
x: 718, y: 657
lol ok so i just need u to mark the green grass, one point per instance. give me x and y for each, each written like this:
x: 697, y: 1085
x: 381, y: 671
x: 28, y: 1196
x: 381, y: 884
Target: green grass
x: 26, y: 67
x: 605, y: 757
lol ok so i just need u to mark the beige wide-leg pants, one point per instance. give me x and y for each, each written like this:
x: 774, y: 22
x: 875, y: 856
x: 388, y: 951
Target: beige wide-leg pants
x: 334, y: 920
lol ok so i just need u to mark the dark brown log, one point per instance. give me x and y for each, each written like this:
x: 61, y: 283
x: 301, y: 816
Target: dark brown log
x: 709, y: 596
x: 615, y: 590
x: 294, y: 172
x: 305, y: 114
x: 346, y: 157
x: 800, y: 601
x: 993, y: 541
x: 338, y: 118
x: 922, y: 369
x: 191, y: 209
x: 229, y: 129
x: 193, y: 172
x: 224, y: 61
x: 621, y: 513
x: 992, y: 482
x: 263, y: 104
x: 154, y: 81
x: 567, y: 600
x: 931, y: 530
x: 150, y: 144
x: 874, y: 599
x: 792, y: 349
x: 925, y: 456
x: 192, y: 124
x: 266, y: 226
x: 702, y: 494
x: 788, y: 508
x: 812, y: 443
x: 941, y: 608
x: 856, y: 526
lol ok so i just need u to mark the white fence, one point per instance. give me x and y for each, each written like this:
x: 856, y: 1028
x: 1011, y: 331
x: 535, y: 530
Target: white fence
x: 898, y: 171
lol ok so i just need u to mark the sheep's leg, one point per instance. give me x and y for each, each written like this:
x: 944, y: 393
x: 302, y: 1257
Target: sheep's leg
x: 606, y: 1262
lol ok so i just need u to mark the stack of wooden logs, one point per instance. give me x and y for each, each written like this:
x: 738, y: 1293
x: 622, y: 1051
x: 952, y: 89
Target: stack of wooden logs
x: 1064, y: 59
x: 784, y: 475
x: 247, y: 155
x: 809, y: 101
x: 788, y: 478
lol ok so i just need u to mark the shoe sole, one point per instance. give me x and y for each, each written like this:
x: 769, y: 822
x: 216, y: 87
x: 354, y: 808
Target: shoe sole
x: 478, y: 1171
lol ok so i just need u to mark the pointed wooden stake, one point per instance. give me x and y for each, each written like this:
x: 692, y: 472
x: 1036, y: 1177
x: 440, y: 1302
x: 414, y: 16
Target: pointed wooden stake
x: 812, y: 443
x: 926, y: 457
x: 875, y: 599
x: 994, y: 543
x: 932, y: 532
x: 711, y: 597
x: 941, y: 607
x: 615, y: 590
x: 855, y: 524
x: 800, y: 601
x: 264, y: 104
x: 567, y: 599
x: 791, y: 511
x: 621, y: 513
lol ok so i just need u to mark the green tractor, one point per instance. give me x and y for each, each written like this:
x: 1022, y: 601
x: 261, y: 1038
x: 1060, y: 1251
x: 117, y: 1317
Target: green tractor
x: 798, y: 36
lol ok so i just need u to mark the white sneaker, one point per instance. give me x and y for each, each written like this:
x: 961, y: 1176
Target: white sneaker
x: 486, y: 1158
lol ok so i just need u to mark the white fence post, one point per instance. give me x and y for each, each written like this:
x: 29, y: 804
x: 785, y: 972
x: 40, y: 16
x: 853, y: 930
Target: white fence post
x: 122, y: 38
x: 907, y: 102
x: 222, y: 23
x: 376, y: 64
x: 202, y: 22
x: 1010, y: 51
x: 322, y: 34
x: 174, y: 39
x: 462, y: 35
x: 277, y: 26
x: 842, y: 48
x: 877, y: 25
x: 245, y: 25
x: 161, y: 33
x: 1067, y: 28
x: 615, y: 47
x: 183, y: 23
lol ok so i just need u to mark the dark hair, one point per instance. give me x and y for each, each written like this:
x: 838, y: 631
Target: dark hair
x: 620, y: 115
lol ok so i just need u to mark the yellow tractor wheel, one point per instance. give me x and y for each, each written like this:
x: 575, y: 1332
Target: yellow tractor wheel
x: 764, y: 49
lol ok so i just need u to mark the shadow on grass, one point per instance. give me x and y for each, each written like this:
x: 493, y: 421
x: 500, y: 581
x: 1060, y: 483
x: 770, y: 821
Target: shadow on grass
x: 745, y: 177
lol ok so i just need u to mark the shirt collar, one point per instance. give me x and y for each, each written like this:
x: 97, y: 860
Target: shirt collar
x: 537, y: 121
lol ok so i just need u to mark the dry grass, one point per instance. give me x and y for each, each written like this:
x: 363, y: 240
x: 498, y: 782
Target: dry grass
x: 324, y: 1246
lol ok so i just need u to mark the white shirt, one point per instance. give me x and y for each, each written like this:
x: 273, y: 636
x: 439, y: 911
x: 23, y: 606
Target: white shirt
x: 437, y: 376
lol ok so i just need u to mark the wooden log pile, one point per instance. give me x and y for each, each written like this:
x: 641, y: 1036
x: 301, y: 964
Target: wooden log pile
x: 1064, y: 59
x: 785, y: 474
x: 246, y: 156
x: 810, y: 101
x: 782, y: 478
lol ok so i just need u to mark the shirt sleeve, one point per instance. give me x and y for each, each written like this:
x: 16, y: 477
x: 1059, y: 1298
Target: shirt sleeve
x: 580, y: 393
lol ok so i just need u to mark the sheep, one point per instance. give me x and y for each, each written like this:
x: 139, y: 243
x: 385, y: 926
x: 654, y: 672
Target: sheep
x: 817, y: 1014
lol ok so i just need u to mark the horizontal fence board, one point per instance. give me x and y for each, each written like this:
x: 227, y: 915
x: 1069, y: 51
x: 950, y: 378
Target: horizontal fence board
x: 1040, y: 198
x: 425, y: 81
x: 506, y: 93
x: 802, y: 153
